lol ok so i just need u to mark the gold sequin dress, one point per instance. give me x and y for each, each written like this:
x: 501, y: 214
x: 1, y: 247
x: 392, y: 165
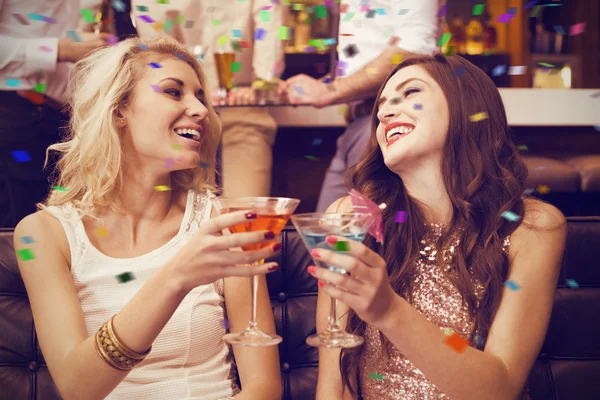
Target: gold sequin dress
x: 439, y: 301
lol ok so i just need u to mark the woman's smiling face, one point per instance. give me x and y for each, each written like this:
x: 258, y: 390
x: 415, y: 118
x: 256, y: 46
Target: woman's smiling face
x: 413, y: 119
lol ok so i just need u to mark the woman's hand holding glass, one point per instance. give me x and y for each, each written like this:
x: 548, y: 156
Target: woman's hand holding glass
x: 365, y: 287
x: 210, y: 255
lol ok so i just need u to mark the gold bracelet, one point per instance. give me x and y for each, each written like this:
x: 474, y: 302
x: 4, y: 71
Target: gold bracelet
x: 114, y: 352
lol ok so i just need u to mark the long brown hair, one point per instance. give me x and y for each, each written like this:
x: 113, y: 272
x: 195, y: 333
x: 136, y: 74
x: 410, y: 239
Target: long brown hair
x: 484, y: 177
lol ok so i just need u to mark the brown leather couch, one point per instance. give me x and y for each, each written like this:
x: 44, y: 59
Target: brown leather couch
x: 567, y: 368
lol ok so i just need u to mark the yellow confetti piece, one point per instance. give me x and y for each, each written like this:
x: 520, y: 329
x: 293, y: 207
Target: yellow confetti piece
x: 543, y: 189
x: 176, y: 146
x: 222, y: 40
x: 102, y: 232
x: 158, y: 26
x: 162, y: 188
x: 447, y: 331
x: 342, y: 110
x: 396, y: 59
x: 478, y: 117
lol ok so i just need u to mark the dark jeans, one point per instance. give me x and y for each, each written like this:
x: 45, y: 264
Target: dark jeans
x: 25, y: 130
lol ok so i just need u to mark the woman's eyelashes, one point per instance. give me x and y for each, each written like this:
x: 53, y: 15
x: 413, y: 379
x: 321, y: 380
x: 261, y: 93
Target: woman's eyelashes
x: 176, y: 93
x: 405, y: 95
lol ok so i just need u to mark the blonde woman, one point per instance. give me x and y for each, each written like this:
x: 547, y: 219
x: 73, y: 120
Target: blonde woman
x: 131, y: 272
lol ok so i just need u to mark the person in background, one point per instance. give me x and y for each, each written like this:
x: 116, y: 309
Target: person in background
x: 250, y: 30
x: 135, y: 278
x: 36, y: 54
x: 370, y: 45
x: 456, y: 301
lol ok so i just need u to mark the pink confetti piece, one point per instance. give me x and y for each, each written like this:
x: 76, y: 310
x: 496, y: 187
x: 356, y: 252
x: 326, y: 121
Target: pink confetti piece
x: 45, y: 49
x: 504, y: 18
x: 156, y: 88
x: 577, y: 29
x: 112, y: 40
x: 169, y: 163
x: 401, y: 217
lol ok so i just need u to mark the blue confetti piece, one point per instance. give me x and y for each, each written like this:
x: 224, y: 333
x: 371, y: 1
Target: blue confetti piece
x: 418, y: 107
x: 512, y: 285
x: 204, y: 164
x: 74, y: 36
x: 27, y: 239
x: 260, y: 34
x: 143, y: 46
x: 512, y: 10
x: 499, y: 70
x: 511, y: 216
x: 155, y: 65
x: 299, y: 90
x: 559, y: 29
x: 531, y: 3
x: 12, y: 82
x: 317, y: 141
x: 572, y: 283
x: 327, y: 80
x: 381, y: 11
x: 478, y: 341
x: 237, y: 33
x: 20, y: 156
x: 459, y: 71
x: 35, y: 17
x: 118, y: 5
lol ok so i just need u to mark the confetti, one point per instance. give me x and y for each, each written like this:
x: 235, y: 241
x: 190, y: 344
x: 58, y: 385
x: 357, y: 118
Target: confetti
x: 143, y: 46
x: 504, y: 18
x: 499, y: 70
x: 401, y: 217
x: 204, y: 164
x: 531, y: 3
x: 216, y: 22
x: 112, y: 40
x: 264, y: 16
x: 226, y: 324
x: 284, y: 33
x: 342, y: 246
x: 20, y: 156
x: 156, y: 88
x: 162, y: 188
x: 176, y: 146
x: 88, y: 15
x: 512, y: 285
x: 577, y: 29
x: 40, y: 87
x: 522, y: 147
x: 379, y: 377
x: 512, y: 11
x: 102, y: 232
x: 460, y: 71
x: 21, y: 19
x: 351, y: 50
x: 511, y: 216
x: 35, y: 98
x: 397, y: 59
x: 236, y: 33
x: 447, y: 331
x: 27, y: 239
x: 321, y: 11
x: 528, y: 191
x: 155, y: 65
x: 141, y: 8
x: 536, y: 11
x: 45, y: 49
x: 146, y: 18
x: 162, y: 1
x: 317, y: 141
x: 12, y: 82
x: 456, y: 341
x: 312, y: 158
x: 444, y: 39
x: 543, y: 189
x: 441, y: 12
x: 118, y: 5
x: 480, y: 116
x: 260, y: 34
x: 478, y: 341
x: 418, y: 107
x: 299, y: 90
x: 60, y: 188
x: 74, y: 36
x: 371, y: 14
x: 168, y: 163
x: 559, y: 29
x: 25, y: 254
x: 478, y: 9
x: 572, y: 283
x: 236, y: 66
x: 125, y: 277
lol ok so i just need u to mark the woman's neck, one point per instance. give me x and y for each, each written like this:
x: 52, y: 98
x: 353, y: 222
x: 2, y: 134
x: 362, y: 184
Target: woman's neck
x: 428, y: 188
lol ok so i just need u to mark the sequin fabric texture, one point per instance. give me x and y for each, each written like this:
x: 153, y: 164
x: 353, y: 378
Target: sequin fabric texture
x: 439, y: 301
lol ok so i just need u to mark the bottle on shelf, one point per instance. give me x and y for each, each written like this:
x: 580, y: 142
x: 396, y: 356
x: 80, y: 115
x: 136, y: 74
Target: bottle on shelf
x: 457, y: 29
x: 474, y: 33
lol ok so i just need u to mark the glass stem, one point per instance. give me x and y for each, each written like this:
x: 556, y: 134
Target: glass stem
x: 253, y: 293
x: 333, y: 324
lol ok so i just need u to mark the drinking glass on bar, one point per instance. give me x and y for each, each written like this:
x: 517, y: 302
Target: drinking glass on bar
x: 223, y: 61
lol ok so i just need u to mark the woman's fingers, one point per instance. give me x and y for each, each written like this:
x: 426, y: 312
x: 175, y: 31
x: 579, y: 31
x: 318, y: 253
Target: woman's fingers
x: 343, y: 261
x: 358, y: 250
x: 242, y: 239
x: 240, y: 270
x: 348, y: 283
x: 224, y: 221
x: 247, y: 257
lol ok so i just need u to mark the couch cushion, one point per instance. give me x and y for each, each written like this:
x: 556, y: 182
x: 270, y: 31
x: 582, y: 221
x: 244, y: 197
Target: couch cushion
x: 589, y: 170
x: 557, y: 175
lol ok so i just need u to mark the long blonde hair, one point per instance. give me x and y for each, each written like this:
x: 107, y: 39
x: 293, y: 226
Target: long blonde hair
x: 90, y: 165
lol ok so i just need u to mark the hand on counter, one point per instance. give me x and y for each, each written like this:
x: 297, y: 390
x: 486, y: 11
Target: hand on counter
x: 242, y: 96
x: 303, y: 89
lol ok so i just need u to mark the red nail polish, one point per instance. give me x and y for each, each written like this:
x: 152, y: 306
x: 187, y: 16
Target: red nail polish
x: 312, y: 269
x: 321, y: 283
x: 315, y: 253
x: 276, y: 246
x: 269, y: 235
x: 273, y: 268
x: 250, y: 215
x: 331, y: 240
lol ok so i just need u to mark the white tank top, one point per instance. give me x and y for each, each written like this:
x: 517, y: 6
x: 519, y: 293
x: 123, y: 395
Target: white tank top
x: 189, y: 359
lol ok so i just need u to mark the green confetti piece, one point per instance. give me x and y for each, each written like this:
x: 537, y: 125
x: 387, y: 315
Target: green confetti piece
x: 478, y: 9
x: 444, y: 39
x: 298, y: 7
x: 125, y: 277
x: 312, y: 158
x: 321, y: 11
x: 40, y: 87
x: 216, y: 22
x: 284, y: 33
x: 236, y: 46
x: 222, y: 40
x: 60, y: 188
x: 25, y: 254
x: 265, y: 16
x: 142, y: 8
x: 87, y: 14
x: 236, y: 66
x: 379, y: 377
x: 342, y: 246
x: 162, y: 1
x: 511, y: 216
x: 572, y: 283
x: 349, y: 16
x: 447, y: 331
x: 180, y: 19
x: 168, y: 26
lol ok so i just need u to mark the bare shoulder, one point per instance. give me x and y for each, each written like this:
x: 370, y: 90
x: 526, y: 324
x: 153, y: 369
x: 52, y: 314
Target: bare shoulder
x: 42, y: 224
x: 343, y: 204
x: 542, y: 215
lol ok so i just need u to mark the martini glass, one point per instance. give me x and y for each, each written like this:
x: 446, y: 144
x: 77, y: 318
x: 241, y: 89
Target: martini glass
x: 314, y: 229
x: 272, y: 213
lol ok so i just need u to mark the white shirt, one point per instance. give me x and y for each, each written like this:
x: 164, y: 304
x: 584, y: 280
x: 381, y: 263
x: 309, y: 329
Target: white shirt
x: 208, y: 20
x: 28, y: 53
x: 414, y: 22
